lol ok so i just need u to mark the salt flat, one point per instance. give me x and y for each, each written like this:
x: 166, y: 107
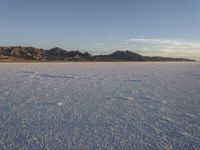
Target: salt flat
x: 133, y: 105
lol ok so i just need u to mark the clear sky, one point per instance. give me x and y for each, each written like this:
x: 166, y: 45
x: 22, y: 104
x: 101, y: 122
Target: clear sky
x: 150, y: 27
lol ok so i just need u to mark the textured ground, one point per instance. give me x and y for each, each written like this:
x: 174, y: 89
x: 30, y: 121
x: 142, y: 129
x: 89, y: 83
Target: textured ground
x: 100, y: 106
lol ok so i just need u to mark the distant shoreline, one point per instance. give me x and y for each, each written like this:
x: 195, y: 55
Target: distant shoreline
x: 63, y: 62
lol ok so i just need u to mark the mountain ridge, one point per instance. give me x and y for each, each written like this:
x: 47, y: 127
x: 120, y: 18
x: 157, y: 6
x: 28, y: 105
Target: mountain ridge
x: 20, y: 53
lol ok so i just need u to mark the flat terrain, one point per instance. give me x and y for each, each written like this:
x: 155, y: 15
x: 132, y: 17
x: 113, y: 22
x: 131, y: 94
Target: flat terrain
x: 139, y: 105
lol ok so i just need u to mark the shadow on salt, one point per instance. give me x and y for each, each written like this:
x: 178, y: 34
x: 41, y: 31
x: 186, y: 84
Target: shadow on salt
x: 33, y: 74
x: 123, y: 98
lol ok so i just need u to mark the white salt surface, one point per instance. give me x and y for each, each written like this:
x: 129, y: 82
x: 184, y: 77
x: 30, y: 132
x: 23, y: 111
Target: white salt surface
x: 100, y: 106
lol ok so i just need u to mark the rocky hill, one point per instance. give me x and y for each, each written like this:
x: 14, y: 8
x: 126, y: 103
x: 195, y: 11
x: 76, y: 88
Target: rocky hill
x: 19, y: 53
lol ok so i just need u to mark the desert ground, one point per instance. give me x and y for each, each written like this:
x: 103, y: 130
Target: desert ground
x: 102, y: 105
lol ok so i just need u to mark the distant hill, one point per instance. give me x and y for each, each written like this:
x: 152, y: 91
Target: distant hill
x: 121, y: 56
x: 19, y: 53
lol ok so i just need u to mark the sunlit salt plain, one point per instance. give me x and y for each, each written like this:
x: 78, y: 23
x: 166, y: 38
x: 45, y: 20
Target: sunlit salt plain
x: 100, y: 105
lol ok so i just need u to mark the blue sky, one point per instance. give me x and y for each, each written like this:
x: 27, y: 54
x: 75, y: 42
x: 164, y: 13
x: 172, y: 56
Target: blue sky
x: 150, y: 27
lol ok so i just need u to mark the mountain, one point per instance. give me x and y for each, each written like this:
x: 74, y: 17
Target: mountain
x: 56, y: 51
x: 19, y: 53
x: 60, y: 54
x: 121, y: 56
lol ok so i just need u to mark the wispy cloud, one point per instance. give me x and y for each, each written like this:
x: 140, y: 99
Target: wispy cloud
x: 99, y: 44
x: 154, y: 41
x: 166, y: 47
x: 165, y: 44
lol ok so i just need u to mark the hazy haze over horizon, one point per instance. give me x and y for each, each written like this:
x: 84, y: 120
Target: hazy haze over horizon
x: 155, y: 28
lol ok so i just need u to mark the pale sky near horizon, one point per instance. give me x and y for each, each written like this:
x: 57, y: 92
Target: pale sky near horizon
x: 150, y: 27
